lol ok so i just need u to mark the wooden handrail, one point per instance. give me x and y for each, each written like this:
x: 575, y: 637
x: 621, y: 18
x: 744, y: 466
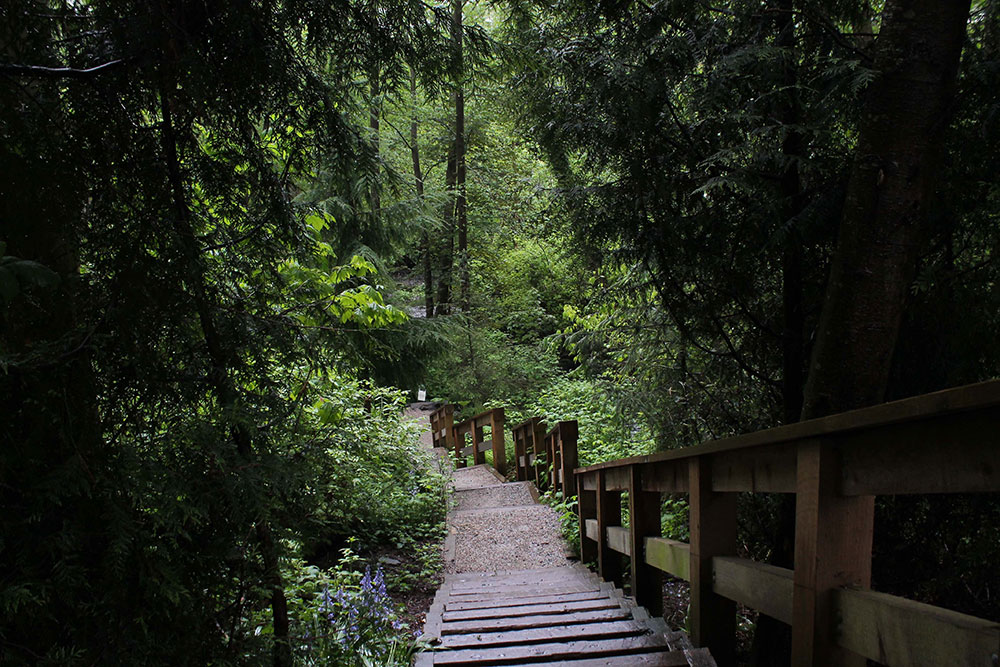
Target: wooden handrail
x: 442, y: 422
x: 547, y: 459
x: 945, y: 442
x: 474, y: 427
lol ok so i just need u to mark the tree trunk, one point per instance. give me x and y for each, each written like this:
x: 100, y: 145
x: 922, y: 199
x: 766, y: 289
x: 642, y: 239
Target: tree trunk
x: 448, y: 247
x: 374, y: 122
x: 460, y: 203
x: 418, y: 180
x: 893, y: 176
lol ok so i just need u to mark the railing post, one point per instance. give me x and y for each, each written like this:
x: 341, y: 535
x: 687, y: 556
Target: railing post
x: 459, y: 442
x: 537, y: 445
x: 567, y: 456
x: 833, y: 548
x: 477, y: 437
x: 520, y: 458
x: 586, y: 508
x: 609, y: 513
x: 713, y: 533
x: 497, y: 419
x: 644, y: 521
x: 449, y: 426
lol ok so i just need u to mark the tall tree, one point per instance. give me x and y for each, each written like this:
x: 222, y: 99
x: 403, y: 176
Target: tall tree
x: 418, y: 181
x: 893, y: 177
x: 461, y: 206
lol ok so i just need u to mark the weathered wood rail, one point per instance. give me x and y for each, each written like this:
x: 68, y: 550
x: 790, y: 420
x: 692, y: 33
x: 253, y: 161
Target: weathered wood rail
x: 545, y: 458
x: 945, y: 442
x: 468, y: 438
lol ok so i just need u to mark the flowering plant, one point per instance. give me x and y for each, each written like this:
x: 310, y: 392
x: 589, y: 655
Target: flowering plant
x: 343, y: 617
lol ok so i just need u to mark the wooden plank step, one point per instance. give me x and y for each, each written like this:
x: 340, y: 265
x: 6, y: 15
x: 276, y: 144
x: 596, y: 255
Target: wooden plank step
x: 451, y: 604
x: 589, y: 631
x: 671, y: 659
x: 513, y: 655
x: 522, y: 592
x: 529, y: 580
x: 476, y: 576
x: 525, y: 622
x: 530, y: 610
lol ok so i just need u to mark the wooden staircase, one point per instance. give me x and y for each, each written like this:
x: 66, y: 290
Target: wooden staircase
x: 565, y: 616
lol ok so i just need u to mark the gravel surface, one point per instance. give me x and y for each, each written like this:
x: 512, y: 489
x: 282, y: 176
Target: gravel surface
x: 505, y: 538
x: 499, y: 495
x: 474, y: 478
x: 421, y: 412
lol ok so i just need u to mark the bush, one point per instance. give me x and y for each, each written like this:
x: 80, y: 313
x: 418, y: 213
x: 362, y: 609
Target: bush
x: 369, y: 478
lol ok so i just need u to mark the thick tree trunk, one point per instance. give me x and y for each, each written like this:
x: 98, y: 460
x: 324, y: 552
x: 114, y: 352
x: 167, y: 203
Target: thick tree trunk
x: 894, y: 175
x: 460, y: 203
x: 418, y: 180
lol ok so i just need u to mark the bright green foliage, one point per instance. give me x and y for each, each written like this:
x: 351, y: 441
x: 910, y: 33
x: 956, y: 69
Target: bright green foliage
x: 370, y: 479
x: 605, y: 433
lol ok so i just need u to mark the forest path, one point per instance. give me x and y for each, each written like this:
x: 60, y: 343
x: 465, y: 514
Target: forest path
x: 421, y: 413
x: 512, y: 596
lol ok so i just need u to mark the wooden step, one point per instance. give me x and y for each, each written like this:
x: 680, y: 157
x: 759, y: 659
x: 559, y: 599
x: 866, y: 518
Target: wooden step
x: 671, y: 659
x: 496, y: 603
x: 558, y: 616
x: 530, y: 610
x: 607, y: 630
x: 524, y: 622
x: 521, y: 593
x: 513, y: 655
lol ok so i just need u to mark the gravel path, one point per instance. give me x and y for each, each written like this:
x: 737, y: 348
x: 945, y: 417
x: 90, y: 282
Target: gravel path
x: 491, y: 540
x: 421, y: 412
x: 496, y: 527
x: 498, y: 495
x: 474, y: 478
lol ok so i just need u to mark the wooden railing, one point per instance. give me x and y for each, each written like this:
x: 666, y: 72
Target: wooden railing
x: 547, y: 459
x: 442, y: 427
x: 474, y: 428
x: 946, y: 442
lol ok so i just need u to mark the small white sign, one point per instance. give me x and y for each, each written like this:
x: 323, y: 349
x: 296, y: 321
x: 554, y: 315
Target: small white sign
x: 421, y: 395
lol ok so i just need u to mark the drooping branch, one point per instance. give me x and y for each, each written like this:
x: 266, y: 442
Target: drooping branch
x: 41, y: 72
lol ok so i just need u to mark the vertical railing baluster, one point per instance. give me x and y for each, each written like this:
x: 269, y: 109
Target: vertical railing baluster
x: 497, y: 418
x: 567, y: 455
x: 644, y: 521
x: 449, y: 426
x: 609, y: 513
x: 713, y: 533
x: 458, y: 441
x: 833, y: 548
x: 477, y: 437
x: 586, y: 509
x: 537, y: 449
